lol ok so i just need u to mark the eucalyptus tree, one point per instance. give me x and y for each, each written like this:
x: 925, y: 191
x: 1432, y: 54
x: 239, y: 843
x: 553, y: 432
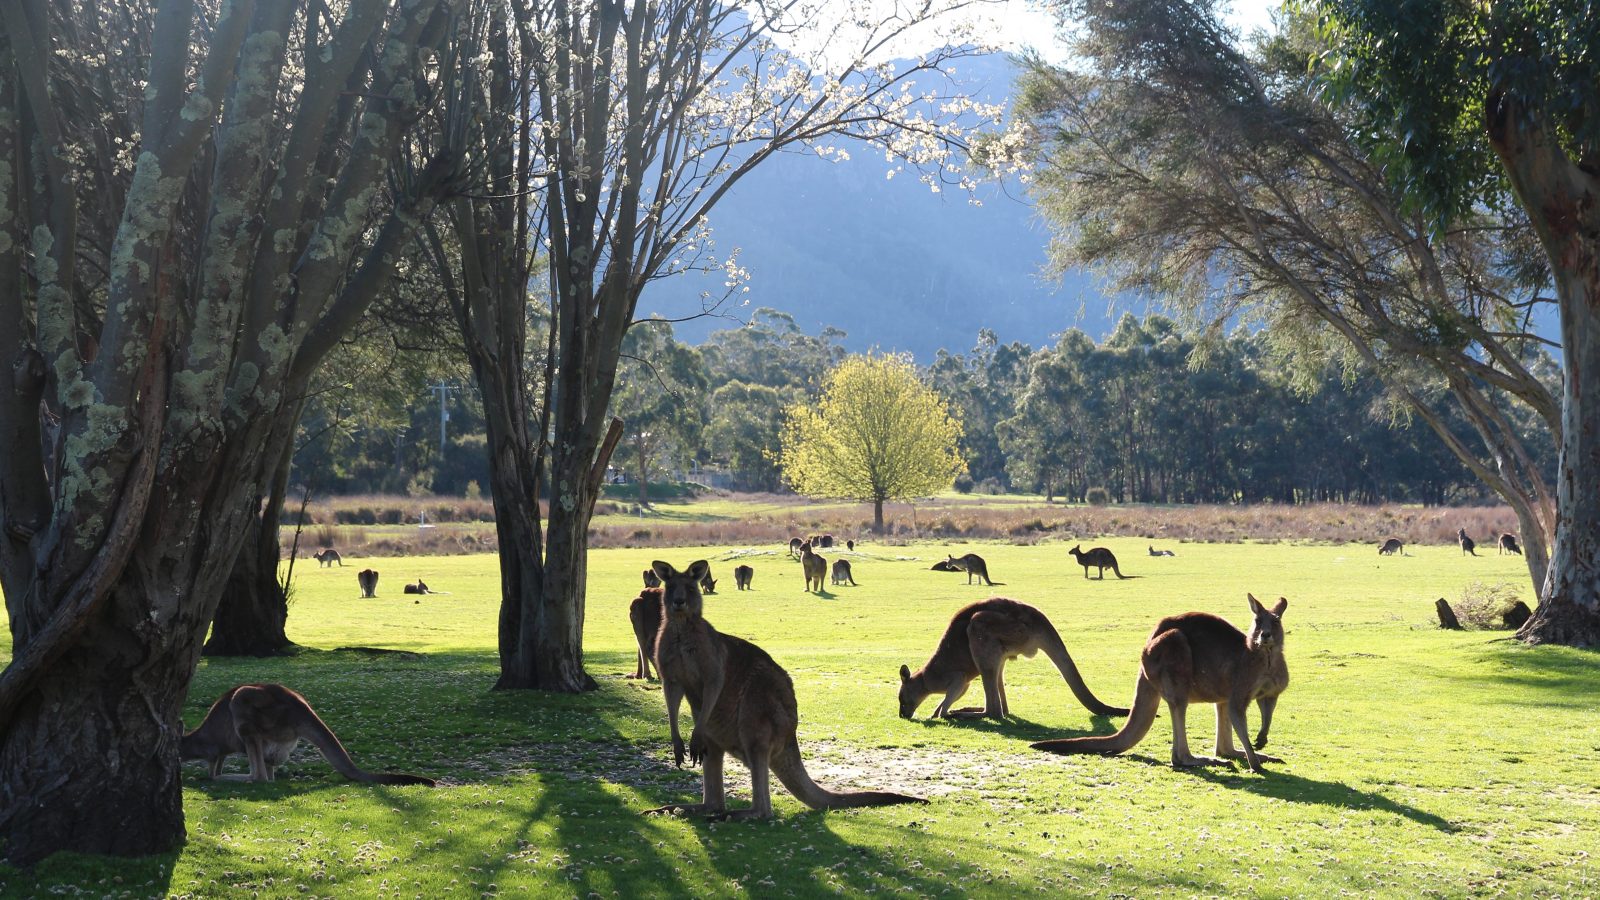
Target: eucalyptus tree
x: 175, y: 261
x: 618, y: 128
x: 1494, y: 103
x: 1220, y: 179
x: 661, y: 397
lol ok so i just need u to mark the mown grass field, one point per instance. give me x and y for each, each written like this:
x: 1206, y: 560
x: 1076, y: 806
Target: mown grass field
x: 1418, y: 762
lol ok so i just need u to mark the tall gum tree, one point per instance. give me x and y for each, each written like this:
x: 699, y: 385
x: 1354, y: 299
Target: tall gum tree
x: 265, y: 136
x: 1465, y: 103
x: 640, y: 117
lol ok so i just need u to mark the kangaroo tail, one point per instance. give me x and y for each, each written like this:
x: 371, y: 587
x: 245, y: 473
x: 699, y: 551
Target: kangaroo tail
x: 1146, y: 699
x: 791, y: 772
x: 1057, y: 651
x: 321, y: 736
x: 1117, y: 570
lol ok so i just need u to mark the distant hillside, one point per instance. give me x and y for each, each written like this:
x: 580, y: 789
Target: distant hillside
x: 894, y: 265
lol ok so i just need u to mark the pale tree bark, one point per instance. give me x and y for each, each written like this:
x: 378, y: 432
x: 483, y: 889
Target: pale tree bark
x: 1562, y: 197
x: 121, y: 532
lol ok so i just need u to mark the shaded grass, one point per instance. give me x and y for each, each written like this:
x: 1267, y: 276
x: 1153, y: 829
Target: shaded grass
x: 1419, y: 762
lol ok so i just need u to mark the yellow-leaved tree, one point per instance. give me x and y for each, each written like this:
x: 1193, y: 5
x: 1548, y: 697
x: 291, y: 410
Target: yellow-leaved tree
x: 877, y: 433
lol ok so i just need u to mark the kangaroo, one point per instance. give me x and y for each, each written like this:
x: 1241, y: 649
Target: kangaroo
x: 328, y: 557
x: 841, y: 573
x: 794, y: 547
x: 1153, y: 552
x: 1391, y: 547
x: 265, y: 722
x: 972, y: 564
x: 1199, y: 658
x: 418, y: 588
x: 1508, y: 544
x: 742, y: 576
x: 1099, y: 557
x: 943, y: 566
x: 979, y: 640
x: 368, y: 579
x: 708, y: 585
x: 650, y: 579
x: 743, y: 704
x: 850, y: 545
x: 815, y: 566
x: 1466, y: 543
x: 645, y: 614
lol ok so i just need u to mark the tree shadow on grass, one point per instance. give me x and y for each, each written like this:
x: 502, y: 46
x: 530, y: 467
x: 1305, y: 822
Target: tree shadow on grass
x: 1556, y: 676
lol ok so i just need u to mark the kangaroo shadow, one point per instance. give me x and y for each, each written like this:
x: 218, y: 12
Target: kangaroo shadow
x: 1014, y: 726
x: 1281, y: 785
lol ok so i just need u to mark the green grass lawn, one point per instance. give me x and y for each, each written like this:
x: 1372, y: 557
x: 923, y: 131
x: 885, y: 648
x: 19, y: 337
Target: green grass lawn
x: 1418, y: 762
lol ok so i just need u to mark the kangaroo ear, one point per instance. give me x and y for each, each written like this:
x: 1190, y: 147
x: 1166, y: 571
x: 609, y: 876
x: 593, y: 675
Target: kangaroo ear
x: 1255, y: 605
x: 663, y: 570
x: 1280, y: 606
x: 905, y: 673
x: 698, y: 569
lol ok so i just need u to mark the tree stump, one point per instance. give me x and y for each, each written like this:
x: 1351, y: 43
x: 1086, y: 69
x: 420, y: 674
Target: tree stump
x: 1447, y: 616
x: 1517, y: 616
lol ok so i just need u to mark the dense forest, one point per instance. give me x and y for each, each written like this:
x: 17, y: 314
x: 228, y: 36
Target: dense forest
x: 1145, y: 415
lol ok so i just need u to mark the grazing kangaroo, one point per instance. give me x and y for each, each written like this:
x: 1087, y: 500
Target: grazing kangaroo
x: 708, y: 585
x: 1508, y: 544
x: 1466, y: 543
x: 368, y: 579
x: 1153, y: 552
x: 645, y: 614
x: 651, y: 579
x: 816, y: 568
x: 1391, y: 547
x: 743, y: 704
x: 979, y: 640
x: 742, y: 576
x: 328, y: 557
x: 827, y: 542
x: 265, y: 722
x: 1099, y: 557
x: 418, y: 588
x: 841, y: 573
x: 1199, y: 658
x: 972, y: 564
x: 794, y: 547
x: 850, y: 545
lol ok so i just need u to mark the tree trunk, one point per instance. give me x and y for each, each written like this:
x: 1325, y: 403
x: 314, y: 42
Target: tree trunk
x: 877, y: 515
x: 254, y: 606
x: 1563, y: 205
x: 644, y: 470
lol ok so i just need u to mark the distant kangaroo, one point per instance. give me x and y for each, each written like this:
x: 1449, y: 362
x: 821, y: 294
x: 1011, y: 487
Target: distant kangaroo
x: 651, y: 579
x: 265, y: 722
x: 708, y: 585
x: 794, y: 547
x: 827, y: 541
x: 742, y: 576
x: 645, y: 614
x: 1099, y: 557
x: 979, y: 640
x: 816, y: 568
x: 850, y: 545
x: 841, y: 572
x: 1391, y: 547
x: 1466, y: 543
x: 743, y: 704
x: 328, y: 557
x: 972, y: 564
x: 1508, y: 544
x: 368, y: 579
x: 1153, y: 552
x: 1199, y: 658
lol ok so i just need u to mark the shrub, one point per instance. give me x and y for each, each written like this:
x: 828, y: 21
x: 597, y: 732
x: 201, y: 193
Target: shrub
x: 474, y: 492
x: 1097, y: 496
x: 1481, y: 605
x: 964, y: 483
x: 991, y: 486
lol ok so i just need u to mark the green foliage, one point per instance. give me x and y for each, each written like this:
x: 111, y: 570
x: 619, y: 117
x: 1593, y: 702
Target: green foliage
x: 1485, y: 785
x: 877, y: 433
x: 660, y: 397
x: 745, y: 422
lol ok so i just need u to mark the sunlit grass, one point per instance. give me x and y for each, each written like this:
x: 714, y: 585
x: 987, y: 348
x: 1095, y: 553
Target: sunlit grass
x: 1418, y: 762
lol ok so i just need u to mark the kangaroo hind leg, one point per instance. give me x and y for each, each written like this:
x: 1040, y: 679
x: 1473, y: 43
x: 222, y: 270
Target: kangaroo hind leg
x: 760, y: 785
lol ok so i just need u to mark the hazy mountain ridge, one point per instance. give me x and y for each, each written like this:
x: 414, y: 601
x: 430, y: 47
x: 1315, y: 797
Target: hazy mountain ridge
x: 895, y: 265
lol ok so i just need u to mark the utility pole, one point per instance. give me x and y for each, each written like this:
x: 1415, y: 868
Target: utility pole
x: 443, y: 390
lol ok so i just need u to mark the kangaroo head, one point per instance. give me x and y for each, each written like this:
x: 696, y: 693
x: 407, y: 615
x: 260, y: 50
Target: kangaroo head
x: 681, y: 590
x: 912, y: 693
x: 1266, y: 633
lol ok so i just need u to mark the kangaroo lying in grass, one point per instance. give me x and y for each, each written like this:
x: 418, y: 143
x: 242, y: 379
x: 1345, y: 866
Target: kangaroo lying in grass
x: 1199, y: 658
x: 743, y: 704
x: 265, y: 722
x: 980, y: 639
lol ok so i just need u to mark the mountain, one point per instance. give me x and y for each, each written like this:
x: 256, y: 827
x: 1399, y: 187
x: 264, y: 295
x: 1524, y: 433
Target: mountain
x: 894, y: 265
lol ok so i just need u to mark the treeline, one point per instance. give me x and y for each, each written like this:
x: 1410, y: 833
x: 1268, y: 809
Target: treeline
x: 1141, y: 416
